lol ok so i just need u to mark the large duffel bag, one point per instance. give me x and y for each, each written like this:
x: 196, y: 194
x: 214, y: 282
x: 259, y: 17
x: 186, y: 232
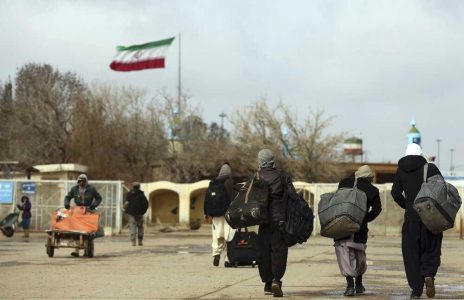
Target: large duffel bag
x: 250, y: 206
x: 243, y: 249
x: 342, y: 213
x: 437, y: 203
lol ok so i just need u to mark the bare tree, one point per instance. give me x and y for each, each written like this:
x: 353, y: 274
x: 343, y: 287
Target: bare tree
x: 305, y: 150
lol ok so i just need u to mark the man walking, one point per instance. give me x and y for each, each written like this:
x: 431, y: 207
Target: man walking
x: 421, y: 248
x: 274, y: 250
x: 217, y: 201
x: 136, y: 206
x: 351, y: 251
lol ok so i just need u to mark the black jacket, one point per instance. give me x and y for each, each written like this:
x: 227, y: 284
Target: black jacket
x: 137, y: 203
x: 277, y: 205
x: 408, y: 179
x: 374, y: 206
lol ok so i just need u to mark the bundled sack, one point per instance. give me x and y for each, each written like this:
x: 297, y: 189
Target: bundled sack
x: 437, y: 203
x: 216, y: 199
x: 250, y: 206
x: 299, y: 222
x: 341, y: 214
x: 76, y: 219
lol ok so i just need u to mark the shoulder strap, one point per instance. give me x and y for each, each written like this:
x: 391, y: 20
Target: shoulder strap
x: 249, y: 187
x: 426, y: 166
x: 355, y: 185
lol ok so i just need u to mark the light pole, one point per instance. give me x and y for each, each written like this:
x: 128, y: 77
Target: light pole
x: 438, y: 152
x: 451, y: 162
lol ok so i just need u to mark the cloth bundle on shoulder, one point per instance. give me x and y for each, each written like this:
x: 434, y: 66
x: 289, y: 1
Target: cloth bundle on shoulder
x: 250, y: 206
x: 437, y: 203
x: 76, y: 219
x: 342, y: 213
x: 299, y: 224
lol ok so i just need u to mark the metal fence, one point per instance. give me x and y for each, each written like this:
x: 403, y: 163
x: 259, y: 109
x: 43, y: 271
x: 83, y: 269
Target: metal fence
x: 49, y: 195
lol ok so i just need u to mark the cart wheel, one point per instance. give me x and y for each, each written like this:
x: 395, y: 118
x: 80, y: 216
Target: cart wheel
x: 90, y: 249
x: 8, y: 231
x: 50, y: 248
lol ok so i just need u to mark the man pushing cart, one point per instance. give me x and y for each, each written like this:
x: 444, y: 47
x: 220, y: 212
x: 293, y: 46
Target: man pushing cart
x: 76, y: 227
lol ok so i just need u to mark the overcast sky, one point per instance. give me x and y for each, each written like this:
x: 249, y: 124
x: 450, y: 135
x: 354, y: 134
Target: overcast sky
x: 374, y: 65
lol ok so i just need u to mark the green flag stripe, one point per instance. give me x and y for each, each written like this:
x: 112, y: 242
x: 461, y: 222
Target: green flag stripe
x: 165, y: 42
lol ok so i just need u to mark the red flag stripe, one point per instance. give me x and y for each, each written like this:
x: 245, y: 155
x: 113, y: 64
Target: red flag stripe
x: 156, y: 63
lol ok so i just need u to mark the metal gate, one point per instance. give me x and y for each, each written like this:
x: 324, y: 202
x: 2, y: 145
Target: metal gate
x: 48, y: 195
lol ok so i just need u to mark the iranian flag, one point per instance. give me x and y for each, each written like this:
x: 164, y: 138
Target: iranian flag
x: 139, y: 57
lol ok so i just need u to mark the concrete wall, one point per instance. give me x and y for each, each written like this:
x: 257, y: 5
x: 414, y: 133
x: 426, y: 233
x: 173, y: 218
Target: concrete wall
x: 189, y: 199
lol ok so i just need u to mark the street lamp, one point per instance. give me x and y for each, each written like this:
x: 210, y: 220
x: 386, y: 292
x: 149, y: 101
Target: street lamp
x: 438, y: 152
x: 451, y: 163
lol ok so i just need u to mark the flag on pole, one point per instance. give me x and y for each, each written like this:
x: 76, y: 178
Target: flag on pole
x: 139, y: 57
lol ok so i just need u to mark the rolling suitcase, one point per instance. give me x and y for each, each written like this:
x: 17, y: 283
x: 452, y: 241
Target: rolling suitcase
x: 243, y: 249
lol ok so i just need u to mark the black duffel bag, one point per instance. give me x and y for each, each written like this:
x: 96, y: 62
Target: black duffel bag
x: 250, y: 206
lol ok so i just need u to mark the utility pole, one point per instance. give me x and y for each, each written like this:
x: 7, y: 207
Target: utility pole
x: 222, y: 116
x: 438, y: 152
x: 451, y: 163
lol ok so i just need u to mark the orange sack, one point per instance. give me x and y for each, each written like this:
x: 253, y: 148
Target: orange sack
x: 76, y: 219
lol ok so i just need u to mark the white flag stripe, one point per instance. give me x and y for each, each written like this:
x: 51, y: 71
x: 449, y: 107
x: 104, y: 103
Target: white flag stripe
x: 140, y: 55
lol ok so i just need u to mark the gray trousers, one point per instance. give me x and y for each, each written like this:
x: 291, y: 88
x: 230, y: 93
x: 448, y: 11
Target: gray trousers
x: 136, y: 227
x: 351, y: 257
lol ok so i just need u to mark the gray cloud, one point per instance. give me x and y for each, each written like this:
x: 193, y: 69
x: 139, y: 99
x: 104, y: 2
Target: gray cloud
x: 373, y: 64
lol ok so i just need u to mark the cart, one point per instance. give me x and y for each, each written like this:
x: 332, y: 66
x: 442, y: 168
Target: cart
x: 7, y: 225
x: 69, y: 239
x: 74, y: 228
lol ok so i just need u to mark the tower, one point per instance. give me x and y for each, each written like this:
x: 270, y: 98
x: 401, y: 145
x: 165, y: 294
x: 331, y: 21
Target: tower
x: 414, y: 135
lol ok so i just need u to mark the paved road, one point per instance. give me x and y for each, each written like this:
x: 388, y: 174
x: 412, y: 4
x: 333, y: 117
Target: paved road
x: 178, y: 265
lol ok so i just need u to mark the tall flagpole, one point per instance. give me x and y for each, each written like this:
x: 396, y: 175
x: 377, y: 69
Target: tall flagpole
x: 179, y: 86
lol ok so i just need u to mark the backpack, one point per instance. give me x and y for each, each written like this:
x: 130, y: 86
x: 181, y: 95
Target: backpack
x: 437, y: 203
x: 216, y: 198
x: 250, y: 206
x: 342, y: 213
x: 299, y: 222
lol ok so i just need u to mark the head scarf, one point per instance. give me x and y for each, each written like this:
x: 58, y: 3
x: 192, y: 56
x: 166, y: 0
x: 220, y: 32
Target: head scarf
x: 413, y: 149
x: 266, y: 159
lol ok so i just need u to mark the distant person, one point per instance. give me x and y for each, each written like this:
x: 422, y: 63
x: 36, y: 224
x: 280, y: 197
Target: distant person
x: 26, y: 215
x: 136, y: 206
x: 83, y: 194
x: 421, y: 248
x: 273, y: 247
x: 351, y: 251
x: 217, y: 200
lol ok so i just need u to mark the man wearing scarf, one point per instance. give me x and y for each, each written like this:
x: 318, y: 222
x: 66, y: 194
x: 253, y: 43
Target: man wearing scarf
x: 351, y: 251
x: 274, y: 250
x: 421, y: 248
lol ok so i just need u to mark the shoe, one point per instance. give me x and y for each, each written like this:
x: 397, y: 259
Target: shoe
x: 360, y: 289
x: 216, y: 260
x: 140, y: 242
x: 75, y: 254
x: 430, y: 287
x: 276, y: 288
x: 267, y: 288
x: 414, y: 296
x: 228, y: 265
x: 133, y: 243
x: 349, y: 292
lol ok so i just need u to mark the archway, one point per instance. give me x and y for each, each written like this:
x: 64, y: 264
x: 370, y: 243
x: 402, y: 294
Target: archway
x: 164, y: 206
x: 197, y: 201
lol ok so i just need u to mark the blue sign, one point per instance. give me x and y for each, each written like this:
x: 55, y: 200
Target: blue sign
x: 29, y: 188
x: 6, y: 192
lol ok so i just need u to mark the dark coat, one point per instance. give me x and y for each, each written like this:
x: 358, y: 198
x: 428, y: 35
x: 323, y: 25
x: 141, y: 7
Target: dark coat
x: 137, y: 203
x: 408, y: 179
x: 90, y: 198
x: 277, y: 205
x: 26, y: 208
x: 374, y: 206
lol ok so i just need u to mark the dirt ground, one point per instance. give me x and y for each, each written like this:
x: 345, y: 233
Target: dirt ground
x: 178, y: 265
